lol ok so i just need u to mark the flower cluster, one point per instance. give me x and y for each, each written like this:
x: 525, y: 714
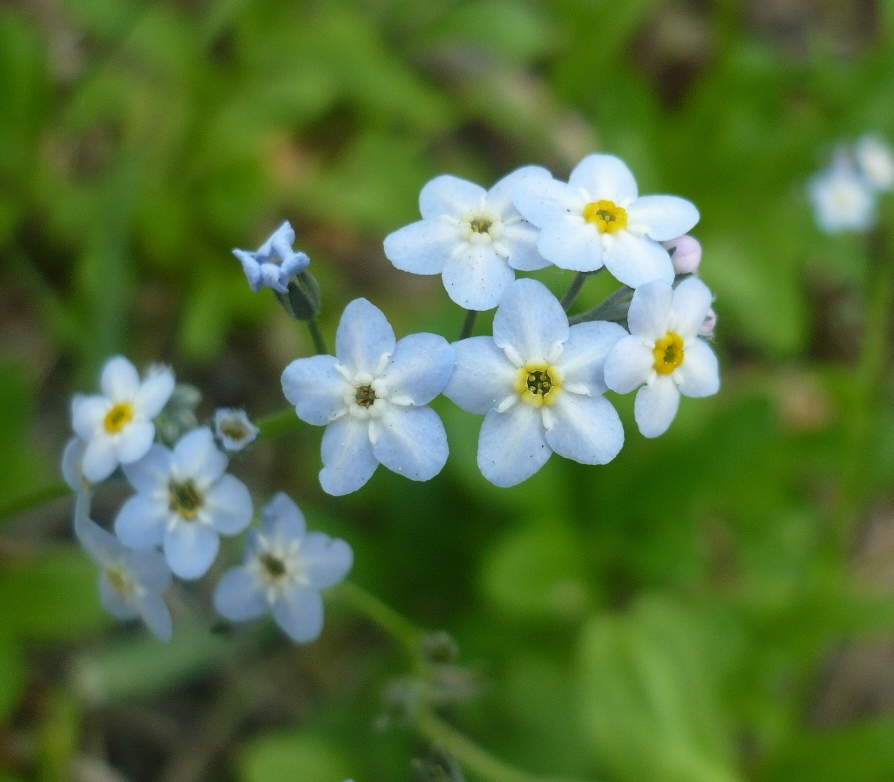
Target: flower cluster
x: 845, y: 194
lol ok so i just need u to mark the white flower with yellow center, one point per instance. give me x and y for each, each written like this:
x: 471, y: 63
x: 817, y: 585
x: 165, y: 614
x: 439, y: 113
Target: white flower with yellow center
x: 842, y: 199
x: 664, y: 353
x: 474, y: 237
x: 539, y: 384
x: 875, y: 161
x: 598, y: 218
x: 117, y: 424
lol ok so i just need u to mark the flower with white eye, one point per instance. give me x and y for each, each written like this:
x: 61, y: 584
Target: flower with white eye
x: 284, y: 570
x: 842, y: 199
x: 132, y: 582
x: 117, y: 425
x: 274, y: 263
x: 184, y: 501
x: 539, y: 384
x: 234, y: 429
x: 598, y: 218
x: 372, y: 397
x: 663, y: 353
x: 875, y: 161
x: 474, y: 237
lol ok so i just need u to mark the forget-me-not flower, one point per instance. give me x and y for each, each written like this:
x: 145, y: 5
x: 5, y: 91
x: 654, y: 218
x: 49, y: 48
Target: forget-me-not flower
x: 284, y: 570
x: 275, y: 262
x: 875, y: 161
x: 184, y: 500
x: 132, y: 582
x: 598, y: 218
x: 474, y: 237
x: 842, y: 198
x: 117, y: 425
x: 234, y: 429
x: 372, y: 397
x: 664, y: 353
x: 539, y: 384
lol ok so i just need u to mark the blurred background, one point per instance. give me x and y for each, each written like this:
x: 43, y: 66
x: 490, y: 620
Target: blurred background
x: 713, y: 606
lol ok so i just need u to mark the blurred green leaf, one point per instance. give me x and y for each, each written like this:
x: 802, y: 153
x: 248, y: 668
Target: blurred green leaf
x: 289, y: 755
x: 12, y: 673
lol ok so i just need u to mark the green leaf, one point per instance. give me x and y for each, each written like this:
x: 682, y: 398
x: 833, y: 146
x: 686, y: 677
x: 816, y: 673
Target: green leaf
x: 287, y: 756
x: 12, y: 674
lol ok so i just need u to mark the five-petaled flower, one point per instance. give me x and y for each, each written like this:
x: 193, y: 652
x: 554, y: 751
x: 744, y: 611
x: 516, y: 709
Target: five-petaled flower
x: 475, y: 238
x: 663, y: 352
x: 234, y: 429
x: 132, y: 582
x: 275, y: 262
x: 284, y: 570
x: 598, y: 218
x: 184, y: 501
x: 117, y: 425
x: 373, y: 397
x: 539, y: 384
x: 842, y: 198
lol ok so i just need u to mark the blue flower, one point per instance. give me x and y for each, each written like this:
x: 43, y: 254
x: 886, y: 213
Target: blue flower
x: 372, y: 398
x: 284, y: 570
x: 275, y: 262
x: 184, y: 501
x: 234, y: 429
x: 132, y: 582
x: 475, y: 238
x: 539, y: 384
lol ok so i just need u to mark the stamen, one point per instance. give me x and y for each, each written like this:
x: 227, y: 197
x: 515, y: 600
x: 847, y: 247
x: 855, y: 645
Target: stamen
x: 118, y: 417
x: 365, y: 396
x: 274, y: 567
x: 480, y: 225
x: 185, y: 499
x: 607, y: 216
x: 538, y: 383
x: 668, y: 352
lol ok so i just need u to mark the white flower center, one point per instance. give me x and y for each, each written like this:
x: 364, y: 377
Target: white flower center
x: 481, y: 226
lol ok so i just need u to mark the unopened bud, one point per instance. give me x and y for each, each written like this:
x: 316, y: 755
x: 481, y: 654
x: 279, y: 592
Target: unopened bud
x: 707, y: 329
x: 686, y: 254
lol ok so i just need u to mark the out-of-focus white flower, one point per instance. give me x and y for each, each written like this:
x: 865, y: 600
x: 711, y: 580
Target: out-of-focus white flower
x: 875, y: 161
x: 842, y: 199
x: 234, y: 429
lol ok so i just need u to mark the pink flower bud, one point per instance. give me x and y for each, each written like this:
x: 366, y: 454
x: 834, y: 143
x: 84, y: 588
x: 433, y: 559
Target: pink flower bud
x: 707, y: 329
x: 687, y: 254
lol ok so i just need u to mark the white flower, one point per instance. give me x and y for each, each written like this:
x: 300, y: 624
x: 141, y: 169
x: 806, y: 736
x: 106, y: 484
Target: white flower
x: 598, y: 219
x: 539, y: 384
x: 184, y: 500
x: 117, y: 424
x: 663, y: 353
x: 473, y: 237
x: 373, y: 397
x: 875, y: 161
x: 842, y: 199
x: 274, y: 263
x: 234, y: 429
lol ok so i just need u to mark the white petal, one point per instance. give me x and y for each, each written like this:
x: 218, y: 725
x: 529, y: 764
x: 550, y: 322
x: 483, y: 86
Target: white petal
x: 239, y: 596
x: 88, y: 414
x: 151, y: 473
x: 604, y: 177
x: 530, y: 320
x: 197, y: 456
x: 299, y: 612
x: 315, y: 387
x: 120, y: 380
x: 449, y: 195
x: 154, y: 393
x: 656, y: 405
x: 72, y: 459
x: 572, y: 244
x: 636, y: 260
x: 422, y: 247
x: 630, y: 364
x: 511, y: 446
x: 477, y: 277
x: 500, y: 196
x: 99, y: 460
x: 411, y: 442
x: 699, y: 374
x: 141, y: 522
x: 229, y: 504
x: 663, y: 217
x: 584, y: 354
x: 347, y: 456
x: 521, y: 239
x: 420, y: 367
x: 586, y: 429
x: 363, y: 337
x: 156, y: 616
x: 150, y: 569
x: 114, y: 602
x: 691, y: 303
x: 547, y: 201
x: 326, y: 560
x: 483, y: 376
x: 134, y: 441
x: 190, y: 548
x: 101, y: 545
x: 650, y: 310
x: 283, y: 518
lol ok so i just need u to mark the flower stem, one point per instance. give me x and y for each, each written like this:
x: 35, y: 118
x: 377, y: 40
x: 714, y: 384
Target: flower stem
x: 576, y: 285
x: 468, y: 324
x: 614, y: 308
x: 34, y: 499
x: 277, y: 424
x: 317, y: 336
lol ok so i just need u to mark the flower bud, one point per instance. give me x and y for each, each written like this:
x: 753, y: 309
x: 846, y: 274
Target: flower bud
x: 686, y: 254
x: 707, y: 328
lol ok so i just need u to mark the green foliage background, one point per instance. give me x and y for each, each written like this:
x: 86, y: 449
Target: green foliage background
x: 713, y: 606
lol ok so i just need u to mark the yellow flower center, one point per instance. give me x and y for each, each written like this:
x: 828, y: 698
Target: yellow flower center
x: 185, y: 498
x: 538, y: 383
x: 118, y: 417
x: 120, y: 580
x: 233, y: 429
x: 365, y: 396
x: 668, y: 352
x: 607, y: 216
x: 480, y: 225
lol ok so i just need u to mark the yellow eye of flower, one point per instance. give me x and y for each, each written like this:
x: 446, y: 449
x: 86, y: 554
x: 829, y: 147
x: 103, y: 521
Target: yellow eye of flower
x: 118, y: 417
x: 185, y: 498
x: 668, y: 352
x: 120, y: 580
x: 607, y: 216
x: 538, y: 383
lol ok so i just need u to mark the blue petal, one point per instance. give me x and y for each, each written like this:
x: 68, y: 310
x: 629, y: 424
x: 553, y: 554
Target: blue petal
x: 347, y: 456
x: 141, y: 521
x: 364, y: 336
x: 586, y: 429
x: 420, y: 367
x: 584, y: 354
x: 152, y: 472
x: 315, y: 387
x: 150, y: 569
x: 483, y: 376
x: 512, y: 446
x: 229, y: 504
x: 283, y: 518
x: 101, y: 545
x: 240, y: 595
x: 299, y: 612
x: 530, y: 320
x: 251, y: 268
x: 327, y: 560
x: 190, y: 548
x: 114, y: 602
x: 476, y: 277
x: 156, y: 616
x: 196, y: 456
x: 422, y: 247
x: 411, y: 441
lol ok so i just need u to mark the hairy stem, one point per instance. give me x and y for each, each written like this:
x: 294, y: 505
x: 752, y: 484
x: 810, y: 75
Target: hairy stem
x: 468, y: 324
x: 317, y: 336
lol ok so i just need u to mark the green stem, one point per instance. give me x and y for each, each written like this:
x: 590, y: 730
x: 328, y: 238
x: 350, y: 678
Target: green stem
x: 278, y: 424
x: 576, y: 285
x: 317, y: 336
x: 34, y: 499
x: 468, y: 324
x: 614, y: 308
x: 395, y: 624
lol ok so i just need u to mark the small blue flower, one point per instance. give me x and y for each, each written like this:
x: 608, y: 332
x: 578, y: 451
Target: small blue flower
x: 373, y: 397
x: 234, y: 429
x: 275, y: 262
x: 284, y: 570
x: 132, y: 582
x: 539, y: 384
x: 184, y: 500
